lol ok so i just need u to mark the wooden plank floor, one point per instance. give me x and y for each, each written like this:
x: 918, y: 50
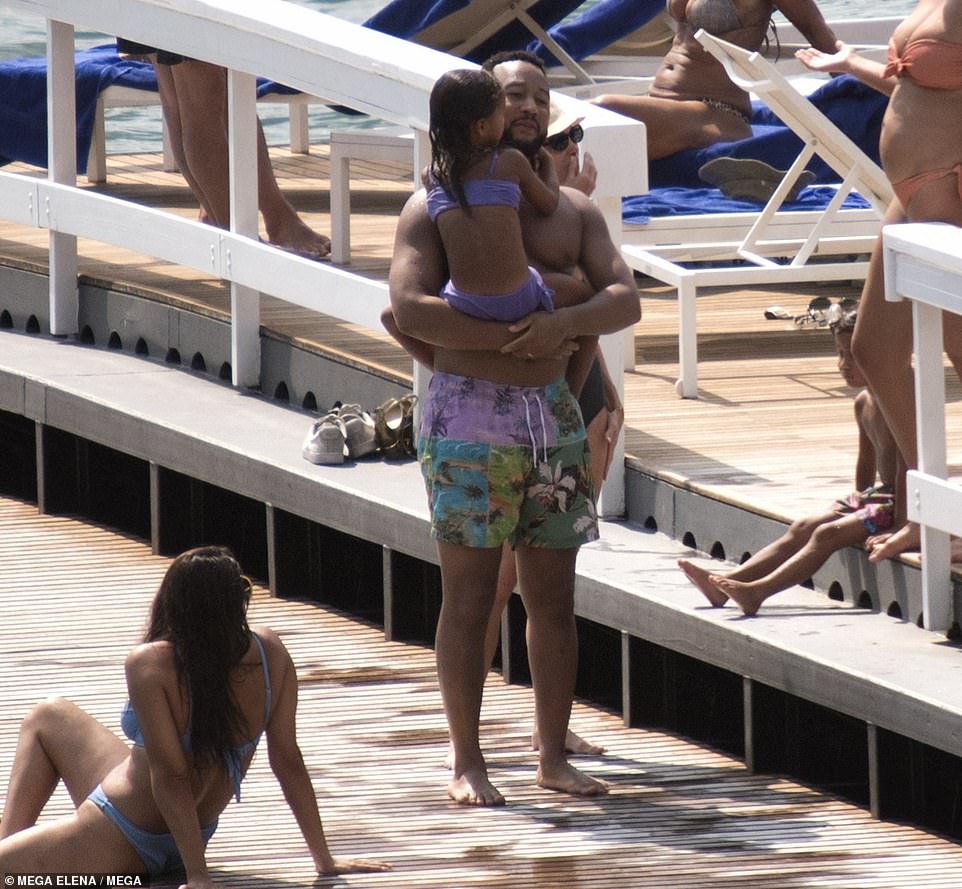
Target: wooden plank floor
x: 773, y: 430
x: 74, y: 596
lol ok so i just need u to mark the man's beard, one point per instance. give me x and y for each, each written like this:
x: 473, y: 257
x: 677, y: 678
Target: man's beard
x: 529, y: 148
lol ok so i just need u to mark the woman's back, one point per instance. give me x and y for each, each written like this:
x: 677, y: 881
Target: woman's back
x: 162, y: 712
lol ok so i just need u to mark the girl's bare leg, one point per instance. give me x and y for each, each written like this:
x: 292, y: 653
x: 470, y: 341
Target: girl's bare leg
x: 763, y: 562
x: 827, y: 539
x: 58, y: 741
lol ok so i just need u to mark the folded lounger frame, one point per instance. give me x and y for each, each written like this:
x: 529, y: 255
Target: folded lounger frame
x: 772, y: 246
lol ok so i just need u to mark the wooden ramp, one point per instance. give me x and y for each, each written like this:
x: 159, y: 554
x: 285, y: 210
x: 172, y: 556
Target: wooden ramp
x: 73, y: 597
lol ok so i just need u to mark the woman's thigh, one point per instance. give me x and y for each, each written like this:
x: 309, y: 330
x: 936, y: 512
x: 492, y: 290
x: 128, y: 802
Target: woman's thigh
x: 82, y: 749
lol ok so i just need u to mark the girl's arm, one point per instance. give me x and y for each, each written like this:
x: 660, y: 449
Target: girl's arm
x: 538, y: 181
x: 152, y: 685
x: 288, y: 767
x: 845, y: 60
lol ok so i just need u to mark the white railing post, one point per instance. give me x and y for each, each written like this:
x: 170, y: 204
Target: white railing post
x: 611, y: 499
x: 62, y: 168
x: 930, y: 434
x: 245, y: 301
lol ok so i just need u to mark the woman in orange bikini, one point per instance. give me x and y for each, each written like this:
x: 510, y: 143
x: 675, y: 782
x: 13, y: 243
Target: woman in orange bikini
x: 692, y: 102
x: 924, y: 79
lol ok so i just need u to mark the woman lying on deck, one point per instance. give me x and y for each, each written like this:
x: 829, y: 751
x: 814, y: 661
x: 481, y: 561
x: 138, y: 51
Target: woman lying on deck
x: 203, y: 688
x: 692, y: 102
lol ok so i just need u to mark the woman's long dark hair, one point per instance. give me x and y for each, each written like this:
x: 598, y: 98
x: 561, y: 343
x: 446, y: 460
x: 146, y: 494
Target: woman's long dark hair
x: 201, y: 609
x: 458, y: 99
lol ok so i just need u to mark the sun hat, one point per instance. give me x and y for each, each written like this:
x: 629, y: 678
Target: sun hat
x: 561, y: 119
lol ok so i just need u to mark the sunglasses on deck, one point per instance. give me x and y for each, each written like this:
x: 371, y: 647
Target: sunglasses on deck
x: 559, y: 142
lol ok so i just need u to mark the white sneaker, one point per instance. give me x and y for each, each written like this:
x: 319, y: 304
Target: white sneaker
x: 325, y: 441
x: 359, y: 430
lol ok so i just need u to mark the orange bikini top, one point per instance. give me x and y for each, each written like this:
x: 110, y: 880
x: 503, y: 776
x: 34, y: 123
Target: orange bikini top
x: 928, y: 62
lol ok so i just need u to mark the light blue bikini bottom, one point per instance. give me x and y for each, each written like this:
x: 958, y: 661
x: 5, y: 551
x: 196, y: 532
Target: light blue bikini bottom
x: 157, y: 850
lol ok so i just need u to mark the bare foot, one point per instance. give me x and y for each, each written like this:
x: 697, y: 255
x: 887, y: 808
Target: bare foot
x: 907, y: 538
x: 474, y: 789
x: 574, y: 743
x: 742, y: 594
x: 702, y: 578
x: 298, y: 237
x: 567, y: 779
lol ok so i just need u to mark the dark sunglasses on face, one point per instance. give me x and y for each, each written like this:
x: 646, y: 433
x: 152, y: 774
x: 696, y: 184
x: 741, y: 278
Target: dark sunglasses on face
x: 560, y: 141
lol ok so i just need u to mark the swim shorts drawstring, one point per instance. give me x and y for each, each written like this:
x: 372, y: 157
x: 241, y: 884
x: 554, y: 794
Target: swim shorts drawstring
x: 544, y: 433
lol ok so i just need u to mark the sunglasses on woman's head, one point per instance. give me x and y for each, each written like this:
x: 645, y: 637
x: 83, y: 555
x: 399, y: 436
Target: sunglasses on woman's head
x: 559, y: 142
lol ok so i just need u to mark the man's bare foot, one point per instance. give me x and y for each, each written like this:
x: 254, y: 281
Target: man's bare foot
x: 298, y: 237
x: 565, y: 778
x: 574, y: 743
x: 474, y: 789
x: 742, y: 594
x: 702, y: 578
x: 908, y: 538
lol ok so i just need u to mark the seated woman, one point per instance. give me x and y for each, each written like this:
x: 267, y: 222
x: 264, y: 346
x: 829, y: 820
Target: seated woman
x: 921, y: 151
x: 203, y: 688
x: 692, y: 102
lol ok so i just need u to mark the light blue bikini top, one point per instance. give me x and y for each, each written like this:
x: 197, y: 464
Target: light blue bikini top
x: 236, y: 755
x: 479, y: 192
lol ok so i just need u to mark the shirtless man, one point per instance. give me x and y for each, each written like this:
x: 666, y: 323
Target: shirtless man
x: 692, y: 102
x: 926, y: 98
x: 548, y: 518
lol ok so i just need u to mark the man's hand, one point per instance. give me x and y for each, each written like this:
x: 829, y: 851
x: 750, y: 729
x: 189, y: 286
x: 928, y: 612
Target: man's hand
x: 542, y: 335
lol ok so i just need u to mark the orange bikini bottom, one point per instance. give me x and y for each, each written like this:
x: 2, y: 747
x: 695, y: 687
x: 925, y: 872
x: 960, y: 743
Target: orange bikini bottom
x: 906, y: 189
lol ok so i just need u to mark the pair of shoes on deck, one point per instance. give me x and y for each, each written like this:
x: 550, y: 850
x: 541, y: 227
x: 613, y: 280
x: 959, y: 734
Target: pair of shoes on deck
x: 346, y: 431
x: 751, y: 180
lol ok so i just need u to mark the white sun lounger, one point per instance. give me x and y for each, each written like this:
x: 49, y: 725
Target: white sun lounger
x: 772, y: 246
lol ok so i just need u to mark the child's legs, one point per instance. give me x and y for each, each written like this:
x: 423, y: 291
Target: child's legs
x: 568, y: 290
x: 776, y: 553
x: 827, y: 539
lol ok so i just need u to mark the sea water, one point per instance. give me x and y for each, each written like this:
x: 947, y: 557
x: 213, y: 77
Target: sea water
x: 132, y: 130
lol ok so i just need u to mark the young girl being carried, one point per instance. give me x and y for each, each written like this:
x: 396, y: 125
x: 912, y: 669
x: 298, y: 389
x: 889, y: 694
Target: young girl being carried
x: 474, y: 189
x: 805, y: 546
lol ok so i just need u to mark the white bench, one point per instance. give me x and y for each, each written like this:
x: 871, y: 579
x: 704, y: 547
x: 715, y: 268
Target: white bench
x: 383, y: 144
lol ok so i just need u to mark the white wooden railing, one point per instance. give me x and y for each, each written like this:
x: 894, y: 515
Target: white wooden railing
x: 323, y: 56
x: 923, y: 263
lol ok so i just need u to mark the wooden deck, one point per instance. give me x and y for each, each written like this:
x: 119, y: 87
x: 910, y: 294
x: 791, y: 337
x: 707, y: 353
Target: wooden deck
x: 773, y: 430
x: 74, y: 596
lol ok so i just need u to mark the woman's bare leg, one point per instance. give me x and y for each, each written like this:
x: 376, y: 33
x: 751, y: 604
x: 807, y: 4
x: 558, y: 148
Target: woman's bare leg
x: 676, y: 124
x: 58, y: 741
x: 827, y: 539
x: 766, y: 560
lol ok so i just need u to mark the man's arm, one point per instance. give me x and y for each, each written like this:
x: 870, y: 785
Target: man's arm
x: 614, y: 306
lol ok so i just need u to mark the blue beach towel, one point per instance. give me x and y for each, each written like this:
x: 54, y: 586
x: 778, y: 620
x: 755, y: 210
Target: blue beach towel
x: 676, y: 189
x: 23, y: 100
x: 598, y: 27
x: 408, y: 18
